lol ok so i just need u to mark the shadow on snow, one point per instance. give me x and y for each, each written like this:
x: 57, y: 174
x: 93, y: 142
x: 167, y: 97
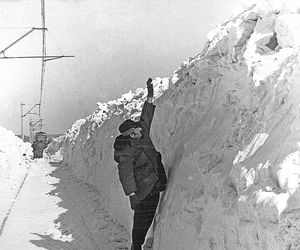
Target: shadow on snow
x: 85, y: 225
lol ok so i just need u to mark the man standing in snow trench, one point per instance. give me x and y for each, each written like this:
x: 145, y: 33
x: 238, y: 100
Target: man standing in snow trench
x: 141, y: 171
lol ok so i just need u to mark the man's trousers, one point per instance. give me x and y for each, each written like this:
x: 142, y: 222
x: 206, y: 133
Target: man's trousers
x: 143, y: 216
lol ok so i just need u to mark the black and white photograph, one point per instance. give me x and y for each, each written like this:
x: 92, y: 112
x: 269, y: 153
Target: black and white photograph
x: 150, y: 125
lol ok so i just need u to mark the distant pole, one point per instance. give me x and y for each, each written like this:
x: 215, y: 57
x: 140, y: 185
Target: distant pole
x: 22, y: 136
x: 43, y: 53
x: 30, y: 130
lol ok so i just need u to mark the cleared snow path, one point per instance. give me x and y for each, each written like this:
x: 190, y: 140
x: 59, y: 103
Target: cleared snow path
x: 48, y: 208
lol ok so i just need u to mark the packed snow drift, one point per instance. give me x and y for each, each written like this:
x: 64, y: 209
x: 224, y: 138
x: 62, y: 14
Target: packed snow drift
x: 14, y: 158
x: 14, y: 154
x: 46, y: 206
x: 227, y: 124
x: 53, y: 150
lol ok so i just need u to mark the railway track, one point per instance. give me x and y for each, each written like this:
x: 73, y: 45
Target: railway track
x: 82, y: 221
x: 13, y: 202
x: 91, y: 230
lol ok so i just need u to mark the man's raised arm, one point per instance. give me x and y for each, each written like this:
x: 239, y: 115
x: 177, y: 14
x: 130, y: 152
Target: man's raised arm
x: 148, y: 108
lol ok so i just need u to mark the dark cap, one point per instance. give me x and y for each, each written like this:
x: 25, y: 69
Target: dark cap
x: 128, y: 124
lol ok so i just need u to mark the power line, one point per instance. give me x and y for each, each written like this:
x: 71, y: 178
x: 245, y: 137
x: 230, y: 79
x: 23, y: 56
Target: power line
x: 44, y: 58
x: 54, y: 42
x: 14, y: 28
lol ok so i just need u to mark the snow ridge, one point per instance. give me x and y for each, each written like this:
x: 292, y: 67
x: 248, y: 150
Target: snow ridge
x: 227, y: 124
x: 13, y: 152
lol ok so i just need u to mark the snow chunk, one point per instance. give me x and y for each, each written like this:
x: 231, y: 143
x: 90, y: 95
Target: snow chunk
x: 14, y: 155
x: 288, y: 30
x: 227, y: 125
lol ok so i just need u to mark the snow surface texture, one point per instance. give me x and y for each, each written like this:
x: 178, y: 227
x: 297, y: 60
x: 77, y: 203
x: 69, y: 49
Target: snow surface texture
x: 15, y: 156
x: 228, y: 126
x: 88, y: 148
x: 53, y: 150
x: 14, y: 153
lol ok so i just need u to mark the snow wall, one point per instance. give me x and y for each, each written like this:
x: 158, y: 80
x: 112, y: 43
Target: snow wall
x: 14, y: 154
x: 228, y: 126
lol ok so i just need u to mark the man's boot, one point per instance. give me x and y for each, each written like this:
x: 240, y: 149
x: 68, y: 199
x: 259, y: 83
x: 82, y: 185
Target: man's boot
x: 136, y: 246
x: 149, y: 244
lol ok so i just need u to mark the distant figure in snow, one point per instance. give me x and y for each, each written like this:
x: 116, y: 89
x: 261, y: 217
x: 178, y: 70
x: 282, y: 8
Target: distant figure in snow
x: 141, y: 171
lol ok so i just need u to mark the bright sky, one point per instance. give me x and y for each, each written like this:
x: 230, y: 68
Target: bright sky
x: 117, y: 45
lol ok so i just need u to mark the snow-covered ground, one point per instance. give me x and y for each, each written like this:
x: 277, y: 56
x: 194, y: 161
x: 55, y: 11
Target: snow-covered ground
x: 227, y: 124
x: 45, y: 206
x: 13, y: 152
x: 14, y: 158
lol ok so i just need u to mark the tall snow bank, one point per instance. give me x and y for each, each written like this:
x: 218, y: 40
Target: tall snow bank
x: 13, y: 153
x: 54, y: 148
x: 88, y: 147
x: 228, y: 129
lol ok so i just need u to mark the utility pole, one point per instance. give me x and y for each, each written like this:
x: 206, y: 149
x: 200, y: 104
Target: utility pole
x: 44, y: 51
x: 23, y: 115
x: 22, y: 135
x: 43, y: 56
x: 30, y: 130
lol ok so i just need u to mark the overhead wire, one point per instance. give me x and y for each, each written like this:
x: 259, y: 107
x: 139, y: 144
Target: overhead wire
x: 44, y: 50
x: 11, y: 28
x: 54, y: 42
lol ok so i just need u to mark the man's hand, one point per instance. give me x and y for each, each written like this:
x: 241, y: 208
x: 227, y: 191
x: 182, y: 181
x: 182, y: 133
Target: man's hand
x: 134, y: 201
x: 150, y: 88
x: 149, y: 81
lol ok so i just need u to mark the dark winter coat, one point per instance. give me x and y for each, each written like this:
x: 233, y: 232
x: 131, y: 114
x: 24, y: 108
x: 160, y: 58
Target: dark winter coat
x: 138, y: 161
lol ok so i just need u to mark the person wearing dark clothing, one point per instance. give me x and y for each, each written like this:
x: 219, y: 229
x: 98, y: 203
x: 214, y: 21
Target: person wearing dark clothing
x: 143, y: 216
x: 140, y: 169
